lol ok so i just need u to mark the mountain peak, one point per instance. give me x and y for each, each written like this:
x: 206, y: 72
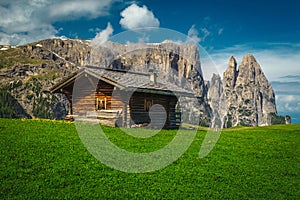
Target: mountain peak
x: 232, y: 62
x: 248, y: 94
x: 230, y: 73
x: 248, y: 59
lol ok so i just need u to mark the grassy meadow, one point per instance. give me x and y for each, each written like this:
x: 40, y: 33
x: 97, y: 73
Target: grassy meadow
x: 43, y: 159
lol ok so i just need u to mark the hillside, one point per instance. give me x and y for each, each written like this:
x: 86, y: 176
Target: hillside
x: 27, y: 72
x: 42, y: 159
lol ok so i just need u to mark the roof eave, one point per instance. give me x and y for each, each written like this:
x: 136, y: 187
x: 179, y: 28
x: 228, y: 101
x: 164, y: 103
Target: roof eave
x: 66, y: 81
x: 162, y: 92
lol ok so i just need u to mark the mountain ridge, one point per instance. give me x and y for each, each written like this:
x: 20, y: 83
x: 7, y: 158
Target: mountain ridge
x: 28, y: 71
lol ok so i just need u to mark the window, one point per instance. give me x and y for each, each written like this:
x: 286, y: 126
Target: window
x: 100, y: 104
x: 148, y: 104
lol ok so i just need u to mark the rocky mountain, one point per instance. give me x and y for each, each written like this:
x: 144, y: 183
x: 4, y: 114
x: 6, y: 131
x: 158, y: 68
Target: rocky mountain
x: 243, y: 97
x: 27, y: 72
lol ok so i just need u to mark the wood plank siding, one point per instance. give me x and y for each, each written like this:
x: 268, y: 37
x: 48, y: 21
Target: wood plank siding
x: 140, y: 104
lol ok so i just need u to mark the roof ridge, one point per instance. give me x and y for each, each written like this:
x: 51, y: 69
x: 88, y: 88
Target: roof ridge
x: 116, y: 70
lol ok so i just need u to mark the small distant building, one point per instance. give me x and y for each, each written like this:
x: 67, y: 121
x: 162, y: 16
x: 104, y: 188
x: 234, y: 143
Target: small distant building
x: 120, y: 98
x: 287, y: 119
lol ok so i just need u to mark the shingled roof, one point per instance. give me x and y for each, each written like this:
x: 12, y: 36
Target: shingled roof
x: 126, y: 80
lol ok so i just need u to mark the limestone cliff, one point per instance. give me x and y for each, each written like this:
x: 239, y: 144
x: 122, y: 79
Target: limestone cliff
x: 247, y: 98
x: 216, y: 101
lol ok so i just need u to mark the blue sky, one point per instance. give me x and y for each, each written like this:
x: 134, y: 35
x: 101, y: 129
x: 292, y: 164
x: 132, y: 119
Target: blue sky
x: 268, y: 29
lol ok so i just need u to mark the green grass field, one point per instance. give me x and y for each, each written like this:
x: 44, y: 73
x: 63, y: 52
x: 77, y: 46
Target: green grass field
x: 43, y: 159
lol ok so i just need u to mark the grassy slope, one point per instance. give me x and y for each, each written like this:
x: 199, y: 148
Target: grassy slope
x: 15, y: 56
x: 46, y: 159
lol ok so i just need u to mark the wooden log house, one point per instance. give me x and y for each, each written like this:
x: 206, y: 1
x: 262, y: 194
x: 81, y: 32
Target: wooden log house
x: 120, y: 98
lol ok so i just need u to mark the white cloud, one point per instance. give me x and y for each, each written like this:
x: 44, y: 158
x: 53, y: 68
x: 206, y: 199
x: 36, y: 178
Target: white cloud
x: 287, y: 97
x: 95, y: 30
x: 193, y: 35
x: 143, y: 39
x: 290, y: 98
x: 220, y: 32
x: 288, y: 103
x: 27, y: 21
x: 68, y: 10
x: 205, y: 33
x: 134, y: 17
x: 103, y: 35
x: 286, y: 88
x: 30, y: 36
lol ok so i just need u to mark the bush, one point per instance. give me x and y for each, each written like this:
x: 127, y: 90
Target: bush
x: 275, y: 119
x: 9, y: 106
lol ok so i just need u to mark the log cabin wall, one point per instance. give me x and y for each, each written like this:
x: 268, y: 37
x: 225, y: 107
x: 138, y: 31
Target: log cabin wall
x: 174, y: 115
x: 141, y: 102
x: 83, y: 98
x: 106, y: 91
x: 68, y: 92
x: 86, y: 99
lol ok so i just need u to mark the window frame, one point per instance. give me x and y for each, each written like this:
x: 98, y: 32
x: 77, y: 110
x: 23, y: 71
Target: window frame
x: 100, y: 101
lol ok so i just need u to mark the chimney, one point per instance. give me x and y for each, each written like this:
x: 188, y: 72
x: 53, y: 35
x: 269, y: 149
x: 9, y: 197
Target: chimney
x: 153, y: 76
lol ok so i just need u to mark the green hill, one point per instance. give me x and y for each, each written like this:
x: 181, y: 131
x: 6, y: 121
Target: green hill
x: 43, y: 159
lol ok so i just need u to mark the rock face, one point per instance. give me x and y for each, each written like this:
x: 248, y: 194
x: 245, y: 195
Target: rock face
x: 214, y: 95
x: 27, y: 72
x: 245, y: 97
